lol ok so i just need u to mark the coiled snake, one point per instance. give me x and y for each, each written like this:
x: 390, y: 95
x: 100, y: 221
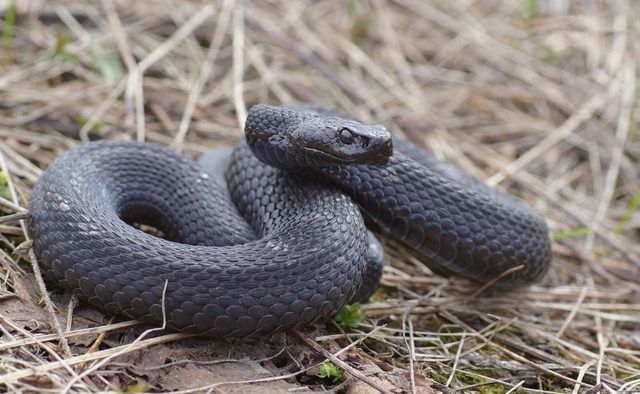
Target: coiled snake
x: 261, y: 248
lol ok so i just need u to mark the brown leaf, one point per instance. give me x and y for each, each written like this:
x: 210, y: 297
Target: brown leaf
x: 193, y: 376
x: 360, y: 387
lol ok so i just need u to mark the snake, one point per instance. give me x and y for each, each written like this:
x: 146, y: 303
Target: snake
x: 271, y: 234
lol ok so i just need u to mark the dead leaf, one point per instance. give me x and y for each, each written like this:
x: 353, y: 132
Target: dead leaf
x: 193, y: 376
x: 360, y: 387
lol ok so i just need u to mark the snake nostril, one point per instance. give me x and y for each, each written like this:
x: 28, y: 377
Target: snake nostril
x: 369, y: 142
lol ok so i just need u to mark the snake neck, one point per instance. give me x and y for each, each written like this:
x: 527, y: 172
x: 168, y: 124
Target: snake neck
x: 268, y: 123
x: 267, y: 133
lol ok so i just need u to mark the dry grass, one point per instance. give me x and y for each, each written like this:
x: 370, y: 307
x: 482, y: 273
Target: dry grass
x: 536, y: 97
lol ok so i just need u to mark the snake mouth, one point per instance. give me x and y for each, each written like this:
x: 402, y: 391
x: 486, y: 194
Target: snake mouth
x: 361, y: 147
x: 366, y: 158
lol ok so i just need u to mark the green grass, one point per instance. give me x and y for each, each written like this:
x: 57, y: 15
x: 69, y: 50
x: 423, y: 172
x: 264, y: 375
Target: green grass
x: 571, y: 233
x: 632, y: 207
x: 4, y: 186
x: 97, y: 126
x: 108, y: 64
x: 60, y: 49
x: 9, y: 25
x: 530, y: 9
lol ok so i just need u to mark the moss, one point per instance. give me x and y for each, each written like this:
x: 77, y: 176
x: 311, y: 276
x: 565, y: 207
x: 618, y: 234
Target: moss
x: 349, y: 316
x: 329, y: 370
x: 4, y: 186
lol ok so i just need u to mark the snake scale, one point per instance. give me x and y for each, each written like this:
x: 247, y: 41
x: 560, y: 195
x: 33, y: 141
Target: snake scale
x: 271, y: 237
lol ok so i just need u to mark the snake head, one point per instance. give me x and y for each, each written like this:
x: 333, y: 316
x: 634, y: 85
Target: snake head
x: 336, y: 140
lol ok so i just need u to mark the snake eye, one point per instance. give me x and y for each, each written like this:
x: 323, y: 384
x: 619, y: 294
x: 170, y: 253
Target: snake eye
x: 346, y: 137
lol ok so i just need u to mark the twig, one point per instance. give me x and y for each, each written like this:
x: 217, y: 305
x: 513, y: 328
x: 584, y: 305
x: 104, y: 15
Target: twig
x: 406, y: 321
x: 36, y: 269
x: 14, y: 217
x: 622, y: 131
x: 69, y: 334
x: 238, y: 63
x: 493, y: 281
x: 455, y: 362
x: 569, y: 126
x: 125, y: 349
x: 48, y: 304
x: 43, y: 345
x: 333, y: 357
x: 12, y: 205
x: 39, y: 369
x: 205, y: 71
x: 135, y: 83
x: 572, y: 314
x: 583, y: 371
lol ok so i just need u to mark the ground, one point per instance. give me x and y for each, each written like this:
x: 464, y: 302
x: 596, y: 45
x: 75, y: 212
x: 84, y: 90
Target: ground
x: 537, y: 98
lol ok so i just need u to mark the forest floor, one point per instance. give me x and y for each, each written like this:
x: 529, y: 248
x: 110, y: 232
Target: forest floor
x: 537, y: 98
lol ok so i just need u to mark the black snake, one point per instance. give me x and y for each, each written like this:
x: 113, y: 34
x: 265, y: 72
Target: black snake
x: 263, y: 248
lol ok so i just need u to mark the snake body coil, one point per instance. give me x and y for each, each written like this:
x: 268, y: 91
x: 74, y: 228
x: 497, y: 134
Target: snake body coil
x: 265, y: 250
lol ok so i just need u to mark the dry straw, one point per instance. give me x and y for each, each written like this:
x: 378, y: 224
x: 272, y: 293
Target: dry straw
x: 539, y: 98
